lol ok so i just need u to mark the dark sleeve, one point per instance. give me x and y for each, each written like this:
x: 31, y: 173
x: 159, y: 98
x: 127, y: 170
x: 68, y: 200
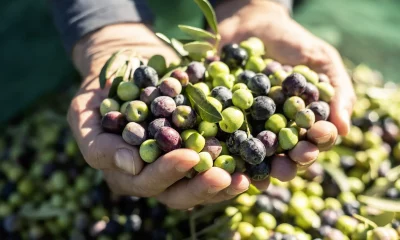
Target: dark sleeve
x: 75, y: 18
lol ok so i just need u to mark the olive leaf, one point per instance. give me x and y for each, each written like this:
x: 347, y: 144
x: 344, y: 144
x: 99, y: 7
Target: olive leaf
x: 198, y: 47
x: 393, y: 174
x: 209, y: 14
x: 45, y: 211
x: 198, y: 50
x: 380, y: 203
x: 344, y: 151
x: 365, y: 220
x: 253, y: 190
x: 105, y: 71
x: 197, y: 33
x: 199, y: 101
x: 175, y: 44
x: 178, y: 47
x: 164, y: 38
x: 121, y: 73
x: 382, y: 218
x: 338, y: 176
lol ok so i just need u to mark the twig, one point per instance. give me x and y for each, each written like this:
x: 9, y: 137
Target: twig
x: 192, y: 224
x: 211, y: 227
x: 365, y: 220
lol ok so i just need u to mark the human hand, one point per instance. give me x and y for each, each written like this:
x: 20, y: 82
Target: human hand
x: 289, y: 43
x: 123, y: 168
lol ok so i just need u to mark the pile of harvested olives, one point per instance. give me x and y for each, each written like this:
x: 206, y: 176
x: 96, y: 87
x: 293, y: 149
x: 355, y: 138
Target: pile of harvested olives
x: 47, y: 191
x: 351, y: 192
x: 237, y: 110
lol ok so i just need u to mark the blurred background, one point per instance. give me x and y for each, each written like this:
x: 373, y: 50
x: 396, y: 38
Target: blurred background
x: 42, y: 175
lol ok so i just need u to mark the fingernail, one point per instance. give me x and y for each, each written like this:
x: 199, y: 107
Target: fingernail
x: 124, y: 160
x: 214, y: 189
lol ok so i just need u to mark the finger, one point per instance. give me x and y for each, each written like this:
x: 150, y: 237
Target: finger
x: 188, y: 193
x: 344, y: 99
x: 239, y: 184
x: 101, y: 150
x: 323, y: 134
x: 261, y: 185
x: 341, y: 108
x: 165, y: 171
x: 155, y: 177
x: 304, y: 153
x: 283, y: 168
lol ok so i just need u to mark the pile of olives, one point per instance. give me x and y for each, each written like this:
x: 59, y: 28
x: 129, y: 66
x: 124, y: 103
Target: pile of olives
x: 47, y: 191
x: 237, y: 110
x: 351, y: 192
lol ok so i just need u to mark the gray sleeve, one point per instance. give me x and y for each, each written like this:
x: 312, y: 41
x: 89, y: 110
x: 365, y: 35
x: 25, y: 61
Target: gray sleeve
x: 75, y: 18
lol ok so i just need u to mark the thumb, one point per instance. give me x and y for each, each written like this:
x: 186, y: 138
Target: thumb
x: 109, y: 151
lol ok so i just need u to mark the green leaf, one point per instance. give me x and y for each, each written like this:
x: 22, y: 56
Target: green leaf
x: 198, y: 47
x: 121, y: 73
x: 365, y: 220
x: 393, y: 174
x: 338, y: 176
x: 46, y: 211
x: 105, y: 71
x: 209, y: 14
x: 341, y: 150
x: 197, y: 33
x: 381, y: 203
x: 198, y: 50
x: 175, y: 44
x: 253, y: 190
x: 164, y: 38
x: 382, y: 218
x: 178, y: 47
x: 205, y: 109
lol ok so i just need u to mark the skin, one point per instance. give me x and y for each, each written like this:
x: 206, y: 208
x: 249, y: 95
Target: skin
x: 164, y: 179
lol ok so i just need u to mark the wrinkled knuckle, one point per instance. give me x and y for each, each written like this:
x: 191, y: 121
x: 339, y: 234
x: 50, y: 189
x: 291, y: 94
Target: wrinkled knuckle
x: 143, y: 191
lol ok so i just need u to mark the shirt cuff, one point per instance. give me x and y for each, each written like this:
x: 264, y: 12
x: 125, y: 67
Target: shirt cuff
x: 76, y: 18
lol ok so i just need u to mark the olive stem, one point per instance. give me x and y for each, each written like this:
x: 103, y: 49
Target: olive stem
x: 210, y: 209
x: 247, y: 124
x: 217, y: 41
x: 365, y: 220
x: 212, y: 227
x: 192, y: 224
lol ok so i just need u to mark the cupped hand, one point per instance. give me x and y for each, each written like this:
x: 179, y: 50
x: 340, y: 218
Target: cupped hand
x: 124, y: 170
x: 126, y: 173
x: 289, y: 43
